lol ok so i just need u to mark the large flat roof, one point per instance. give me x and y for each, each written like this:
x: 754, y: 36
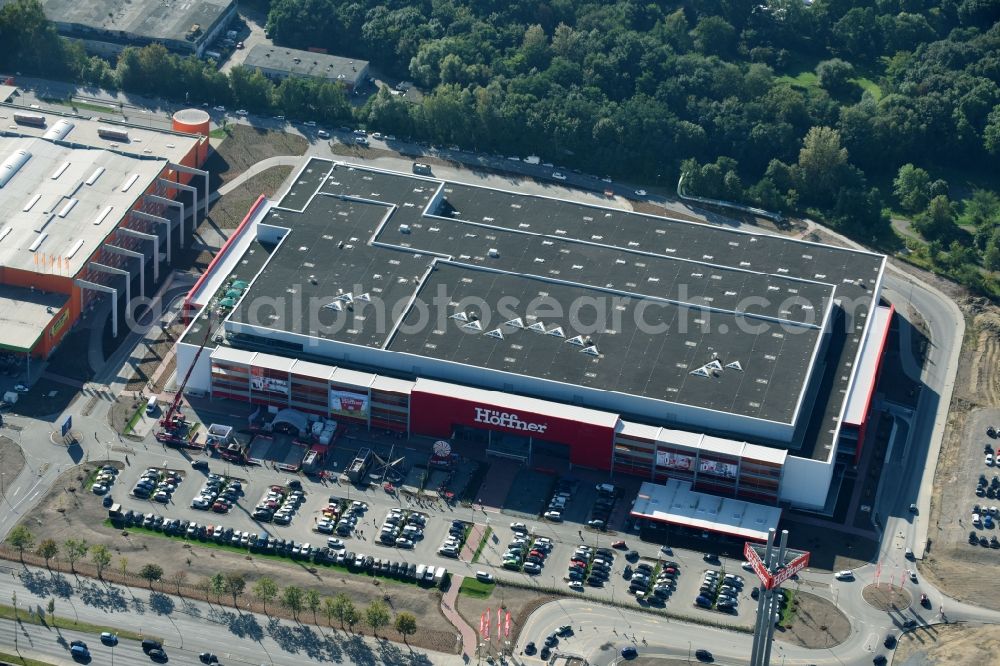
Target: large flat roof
x: 75, y: 130
x: 26, y: 313
x: 142, y: 20
x: 306, y: 63
x: 60, y: 203
x: 732, y: 319
x: 676, y: 503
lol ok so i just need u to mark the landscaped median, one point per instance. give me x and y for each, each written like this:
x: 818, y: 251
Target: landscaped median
x: 38, y: 618
x: 18, y: 660
x: 482, y: 544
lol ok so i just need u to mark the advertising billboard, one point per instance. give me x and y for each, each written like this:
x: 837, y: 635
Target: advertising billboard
x: 674, y: 460
x: 258, y: 382
x: 718, y: 468
x: 347, y: 403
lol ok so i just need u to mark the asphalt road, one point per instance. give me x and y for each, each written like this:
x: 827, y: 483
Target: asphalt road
x: 188, y: 628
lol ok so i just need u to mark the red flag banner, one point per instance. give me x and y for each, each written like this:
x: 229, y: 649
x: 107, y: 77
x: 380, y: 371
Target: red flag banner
x: 486, y: 633
x: 506, y: 629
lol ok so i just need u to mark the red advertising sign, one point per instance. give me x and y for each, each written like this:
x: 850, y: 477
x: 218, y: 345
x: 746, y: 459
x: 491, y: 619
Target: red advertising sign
x: 758, y: 565
x: 795, y: 566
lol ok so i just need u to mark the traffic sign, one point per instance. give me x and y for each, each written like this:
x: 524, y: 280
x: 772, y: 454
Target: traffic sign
x: 67, y: 425
x: 757, y: 565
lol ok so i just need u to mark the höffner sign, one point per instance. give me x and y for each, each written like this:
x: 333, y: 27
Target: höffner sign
x: 507, y: 420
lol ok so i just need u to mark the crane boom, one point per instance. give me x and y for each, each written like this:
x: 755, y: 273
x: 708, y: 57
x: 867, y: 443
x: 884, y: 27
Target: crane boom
x: 168, y: 420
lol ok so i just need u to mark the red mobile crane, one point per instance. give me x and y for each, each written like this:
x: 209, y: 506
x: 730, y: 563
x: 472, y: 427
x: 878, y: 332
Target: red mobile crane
x: 174, y: 426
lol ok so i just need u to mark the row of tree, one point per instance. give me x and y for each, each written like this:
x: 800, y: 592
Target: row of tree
x: 375, y: 615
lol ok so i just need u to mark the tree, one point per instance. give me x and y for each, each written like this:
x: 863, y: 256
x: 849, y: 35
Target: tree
x: 292, y: 598
x: 329, y: 610
x: 235, y: 584
x: 101, y: 557
x: 75, y: 550
x: 912, y: 187
x: 343, y: 607
x: 822, y: 162
x: 265, y: 589
x: 178, y: 578
x: 835, y: 76
x: 991, y: 256
x: 713, y: 35
x: 151, y: 572
x: 377, y: 615
x: 51, y: 608
x: 47, y: 549
x: 938, y: 221
x: 406, y: 625
x: 21, y: 538
x: 351, y: 616
x: 123, y: 566
x: 217, y: 585
x: 313, y: 602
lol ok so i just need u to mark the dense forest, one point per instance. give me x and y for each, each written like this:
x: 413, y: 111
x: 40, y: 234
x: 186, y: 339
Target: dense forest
x: 848, y: 110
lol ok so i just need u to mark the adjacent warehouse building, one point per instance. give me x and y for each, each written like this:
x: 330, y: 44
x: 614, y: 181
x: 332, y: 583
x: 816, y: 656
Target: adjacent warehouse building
x: 278, y: 62
x: 546, y: 329
x: 107, y: 26
x: 90, y: 207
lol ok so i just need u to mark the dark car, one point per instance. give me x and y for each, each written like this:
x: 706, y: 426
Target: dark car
x: 629, y: 652
x: 890, y: 641
x: 199, y: 464
x: 545, y: 653
x: 704, y: 655
x: 149, y: 644
x: 551, y: 640
x: 208, y: 658
x: 158, y: 655
x: 530, y: 649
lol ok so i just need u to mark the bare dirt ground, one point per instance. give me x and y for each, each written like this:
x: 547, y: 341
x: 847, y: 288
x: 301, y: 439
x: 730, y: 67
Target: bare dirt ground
x: 68, y: 511
x: 245, y: 146
x: 11, y: 459
x: 519, y: 601
x: 887, y: 597
x: 817, y: 623
x: 952, y: 564
x: 949, y: 644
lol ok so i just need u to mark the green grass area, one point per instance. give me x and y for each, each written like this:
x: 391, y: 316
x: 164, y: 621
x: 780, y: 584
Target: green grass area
x: 230, y: 209
x: 482, y: 544
x: 788, y: 612
x: 804, y: 80
x: 870, y: 87
x: 28, y: 617
x: 81, y: 106
x: 220, y: 133
x: 22, y: 661
x: 130, y: 426
x: 476, y: 589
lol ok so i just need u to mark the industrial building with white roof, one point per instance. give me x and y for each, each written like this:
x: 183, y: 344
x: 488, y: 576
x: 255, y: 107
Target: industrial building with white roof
x: 546, y: 329
x: 92, y: 208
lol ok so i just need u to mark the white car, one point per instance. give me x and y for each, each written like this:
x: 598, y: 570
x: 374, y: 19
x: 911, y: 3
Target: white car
x: 576, y: 585
x: 403, y: 542
x: 558, y: 175
x: 989, y: 459
x: 310, y: 123
x: 98, y: 489
x: 519, y: 527
x: 606, y: 179
x: 218, y: 108
x: 554, y: 516
x: 241, y: 112
x: 20, y: 388
x: 323, y: 134
x: 846, y: 574
x: 640, y: 193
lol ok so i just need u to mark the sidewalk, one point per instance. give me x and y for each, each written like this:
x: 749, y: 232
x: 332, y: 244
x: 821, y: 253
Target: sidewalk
x: 449, y: 608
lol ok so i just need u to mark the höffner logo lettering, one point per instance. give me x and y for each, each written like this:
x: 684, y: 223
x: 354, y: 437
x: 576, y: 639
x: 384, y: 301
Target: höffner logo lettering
x: 507, y: 420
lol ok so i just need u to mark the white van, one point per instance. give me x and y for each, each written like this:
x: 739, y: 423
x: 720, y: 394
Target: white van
x: 606, y: 488
x: 151, y: 405
x: 421, y: 570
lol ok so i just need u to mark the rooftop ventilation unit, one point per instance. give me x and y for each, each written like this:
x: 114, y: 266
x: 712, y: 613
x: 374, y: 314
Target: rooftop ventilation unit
x: 94, y: 176
x: 103, y: 214
x: 364, y: 297
x: 12, y: 165
x: 473, y: 326
x: 700, y: 372
x: 76, y: 248
x: 112, y: 134
x: 60, y: 171
x: 591, y: 350
x: 578, y: 341
x: 38, y: 242
x: 404, y: 228
x: 31, y: 203
x: 6, y: 230
x: 460, y: 316
x: 514, y: 323
x: 334, y: 306
x: 537, y: 327
x: 129, y: 182
x: 495, y: 333
x: 493, y: 252
x: 59, y: 131
x: 556, y: 331
x: 29, y: 119
x: 67, y: 208
x: 735, y: 365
